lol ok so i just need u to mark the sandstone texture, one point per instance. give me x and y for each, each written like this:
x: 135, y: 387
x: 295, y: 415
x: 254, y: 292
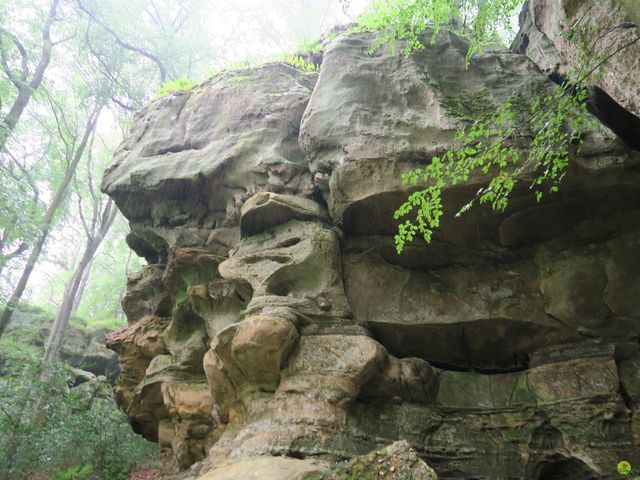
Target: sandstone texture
x: 275, y: 330
x: 557, y: 34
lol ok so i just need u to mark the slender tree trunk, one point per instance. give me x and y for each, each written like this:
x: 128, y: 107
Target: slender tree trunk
x: 45, y: 226
x: 12, y: 118
x: 26, y: 91
x: 31, y: 262
x: 64, y: 313
x: 81, y: 288
x: 5, y: 258
x: 71, y: 260
x: 118, y: 310
x: 127, y: 264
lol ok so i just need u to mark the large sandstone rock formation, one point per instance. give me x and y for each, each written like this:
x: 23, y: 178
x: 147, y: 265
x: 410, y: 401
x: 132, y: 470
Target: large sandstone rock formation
x: 275, y: 330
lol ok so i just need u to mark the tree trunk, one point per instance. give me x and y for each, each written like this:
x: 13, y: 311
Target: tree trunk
x: 12, y: 118
x: 83, y: 285
x: 5, y: 258
x: 26, y: 91
x: 45, y: 226
x: 62, y: 319
x: 66, y: 307
x: 119, y: 311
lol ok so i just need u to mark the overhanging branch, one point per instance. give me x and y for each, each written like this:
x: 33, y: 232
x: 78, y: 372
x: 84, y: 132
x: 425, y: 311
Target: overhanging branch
x: 124, y: 44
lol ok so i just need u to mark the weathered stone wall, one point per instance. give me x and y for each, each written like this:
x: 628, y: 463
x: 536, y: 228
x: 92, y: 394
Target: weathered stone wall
x: 600, y: 28
x: 275, y: 329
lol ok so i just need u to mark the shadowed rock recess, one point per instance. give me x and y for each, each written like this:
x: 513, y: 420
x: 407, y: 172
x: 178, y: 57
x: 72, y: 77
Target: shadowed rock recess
x: 275, y: 331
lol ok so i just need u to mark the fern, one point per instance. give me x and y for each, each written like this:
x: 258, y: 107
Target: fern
x: 181, y: 84
x: 300, y: 63
x: 75, y: 473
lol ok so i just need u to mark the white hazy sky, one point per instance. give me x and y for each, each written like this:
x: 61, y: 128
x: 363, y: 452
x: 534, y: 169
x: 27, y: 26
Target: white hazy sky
x: 279, y: 21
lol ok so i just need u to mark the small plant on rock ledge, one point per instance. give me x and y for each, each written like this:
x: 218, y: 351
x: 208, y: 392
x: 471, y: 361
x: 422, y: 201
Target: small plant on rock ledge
x: 300, y: 63
x: 174, y: 86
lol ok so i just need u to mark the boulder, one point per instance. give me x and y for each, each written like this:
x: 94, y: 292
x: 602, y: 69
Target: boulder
x: 82, y: 348
x: 205, y: 170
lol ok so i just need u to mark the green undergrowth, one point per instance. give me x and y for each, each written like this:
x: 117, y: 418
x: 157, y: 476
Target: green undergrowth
x: 32, y: 317
x: 49, y: 430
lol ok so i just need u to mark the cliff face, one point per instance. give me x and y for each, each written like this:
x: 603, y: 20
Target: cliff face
x: 276, y: 330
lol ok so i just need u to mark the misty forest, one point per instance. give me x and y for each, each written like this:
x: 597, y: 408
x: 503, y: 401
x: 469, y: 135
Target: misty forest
x: 319, y: 239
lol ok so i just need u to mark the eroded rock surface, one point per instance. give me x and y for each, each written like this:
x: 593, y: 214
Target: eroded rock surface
x: 276, y: 330
x: 554, y: 34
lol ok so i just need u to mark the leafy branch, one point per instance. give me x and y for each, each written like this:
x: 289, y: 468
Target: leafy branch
x: 479, y: 21
x: 553, y: 122
x: 162, y: 70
